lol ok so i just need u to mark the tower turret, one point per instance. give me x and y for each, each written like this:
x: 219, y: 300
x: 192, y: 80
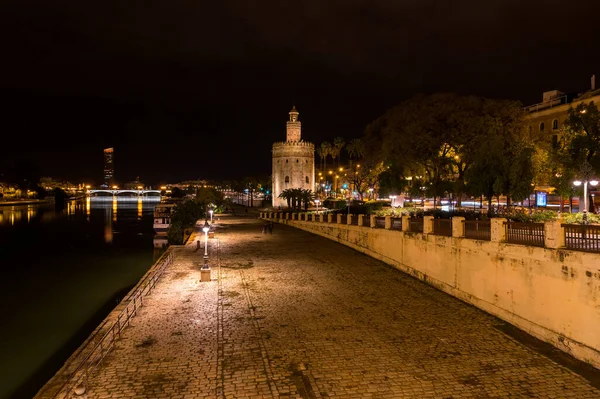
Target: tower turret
x: 293, y: 126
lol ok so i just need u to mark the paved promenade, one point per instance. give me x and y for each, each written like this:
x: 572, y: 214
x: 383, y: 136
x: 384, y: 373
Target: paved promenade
x: 293, y: 315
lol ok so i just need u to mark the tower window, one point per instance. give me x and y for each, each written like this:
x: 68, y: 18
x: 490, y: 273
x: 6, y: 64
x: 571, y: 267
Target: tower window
x: 286, y: 161
x: 542, y: 127
x: 555, y: 124
x: 555, y: 141
x: 307, y: 179
x: 287, y: 179
x: 296, y: 161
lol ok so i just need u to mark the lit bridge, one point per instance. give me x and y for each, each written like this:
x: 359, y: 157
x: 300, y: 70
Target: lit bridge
x: 118, y: 192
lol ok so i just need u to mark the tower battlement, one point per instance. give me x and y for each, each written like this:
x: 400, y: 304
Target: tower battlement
x: 293, y: 144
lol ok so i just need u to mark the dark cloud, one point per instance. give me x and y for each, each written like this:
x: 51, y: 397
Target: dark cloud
x: 126, y: 72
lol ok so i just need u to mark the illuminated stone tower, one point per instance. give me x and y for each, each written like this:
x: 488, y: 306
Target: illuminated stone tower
x: 293, y: 162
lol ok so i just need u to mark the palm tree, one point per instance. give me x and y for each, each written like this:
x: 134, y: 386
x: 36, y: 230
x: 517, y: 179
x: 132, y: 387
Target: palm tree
x: 325, y: 150
x: 306, y: 197
x: 287, y: 195
x: 355, y: 148
x: 296, y: 194
x: 322, y: 154
x: 338, y: 144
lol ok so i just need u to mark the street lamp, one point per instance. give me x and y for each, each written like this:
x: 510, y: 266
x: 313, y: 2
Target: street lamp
x: 317, y: 202
x: 393, y: 198
x: 585, y: 183
x: 210, y: 211
x: 371, y: 193
x: 205, y: 230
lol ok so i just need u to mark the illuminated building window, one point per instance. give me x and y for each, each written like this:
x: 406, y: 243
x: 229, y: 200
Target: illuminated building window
x: 555, y: 124
x: 542, y: 127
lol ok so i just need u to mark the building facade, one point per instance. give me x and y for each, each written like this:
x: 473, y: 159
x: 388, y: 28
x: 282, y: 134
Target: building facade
x: 545, y: 121
x: 293, y: 161
x: 109, y: 167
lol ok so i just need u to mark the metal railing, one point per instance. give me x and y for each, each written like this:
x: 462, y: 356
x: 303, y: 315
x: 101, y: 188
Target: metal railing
x: 396, y: 223
x: 525, y: 233
x: 380, y: 222
x: 478, y: 229
x: 416, y: 225
x: 442, y: 227
x: 105, y: 340
x: 582, y: 237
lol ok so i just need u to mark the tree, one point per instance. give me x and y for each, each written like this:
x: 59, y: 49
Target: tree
x: 325, y: 151
x: 502, y: 163
x: 355, y: 149
x: 176, y: 192
x: 24, y: 174
x: 582, y: 135
x: 338, y: 144
x: 287, y: 195
x: 306, y: 196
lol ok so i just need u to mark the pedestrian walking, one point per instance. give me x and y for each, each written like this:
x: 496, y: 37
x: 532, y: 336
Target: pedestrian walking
x: 270, y: 227
x: 264, y: 228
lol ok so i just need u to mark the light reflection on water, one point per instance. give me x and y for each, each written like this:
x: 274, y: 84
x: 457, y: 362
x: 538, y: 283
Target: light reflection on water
x: 62, y: 271
x: 11, y: 215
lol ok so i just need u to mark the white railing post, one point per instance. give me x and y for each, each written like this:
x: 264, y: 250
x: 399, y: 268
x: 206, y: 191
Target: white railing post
x: 554, y: 234
x: 497, y: 229
x: 458, y: 229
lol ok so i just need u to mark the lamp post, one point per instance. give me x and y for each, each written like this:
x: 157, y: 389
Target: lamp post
x: 371, y: 193
x: 585, y: 183
x: 211, y: 213
x: 205, y: 229
x: 317, y: 202
x: 205, y: 269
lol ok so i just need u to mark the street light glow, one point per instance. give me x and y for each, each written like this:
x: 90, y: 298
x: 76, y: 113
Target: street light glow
x: 577, y: 183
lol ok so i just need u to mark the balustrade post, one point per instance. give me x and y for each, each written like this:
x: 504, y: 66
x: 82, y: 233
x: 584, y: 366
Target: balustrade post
x: 339, y: 218
x: 554, y: 234
x: 361, y: 220
x: 428, y: 224
x: 497, y: 229
x: 458, y: 229
x: 405, y: 223
x: 388, y: 222
x: 349, y: 218
x: 330, y: 218
x: 372, y: 221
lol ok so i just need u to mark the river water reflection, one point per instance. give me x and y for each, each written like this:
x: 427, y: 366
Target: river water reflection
x: 62, y: 273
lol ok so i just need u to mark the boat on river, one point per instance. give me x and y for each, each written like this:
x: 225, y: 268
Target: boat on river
x: 162, y: 221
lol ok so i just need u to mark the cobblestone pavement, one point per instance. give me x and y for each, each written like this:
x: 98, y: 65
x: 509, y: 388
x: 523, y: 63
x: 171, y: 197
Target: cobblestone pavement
x: 294, y: 315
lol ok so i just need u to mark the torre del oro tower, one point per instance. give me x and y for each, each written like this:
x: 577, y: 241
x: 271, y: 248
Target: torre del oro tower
x: 293, y: 161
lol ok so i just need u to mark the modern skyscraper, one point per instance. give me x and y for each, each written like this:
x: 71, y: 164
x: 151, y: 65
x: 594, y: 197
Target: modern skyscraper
x: 109, y: 167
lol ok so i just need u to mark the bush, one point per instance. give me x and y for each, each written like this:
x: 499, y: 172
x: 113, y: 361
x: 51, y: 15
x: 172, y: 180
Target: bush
x: 333, y: 203
x: 577, y: 218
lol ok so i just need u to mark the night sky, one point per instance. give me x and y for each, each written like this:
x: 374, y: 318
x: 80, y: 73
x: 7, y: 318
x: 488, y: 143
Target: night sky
x: 188, y: 89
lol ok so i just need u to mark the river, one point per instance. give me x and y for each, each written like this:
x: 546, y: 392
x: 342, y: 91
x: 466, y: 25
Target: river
x: 62, y: 273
